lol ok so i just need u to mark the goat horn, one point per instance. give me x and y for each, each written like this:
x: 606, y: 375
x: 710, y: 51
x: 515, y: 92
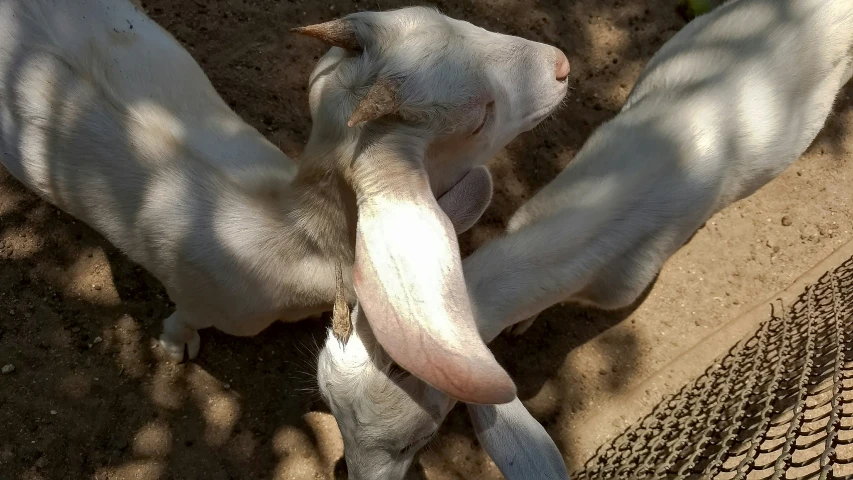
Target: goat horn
x: 382, y: 99
x: 341, y: 321
x: 337, y: 33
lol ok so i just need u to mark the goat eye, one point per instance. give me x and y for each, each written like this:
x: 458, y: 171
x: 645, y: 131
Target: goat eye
x: 417, y: 442
x: 489, y: 107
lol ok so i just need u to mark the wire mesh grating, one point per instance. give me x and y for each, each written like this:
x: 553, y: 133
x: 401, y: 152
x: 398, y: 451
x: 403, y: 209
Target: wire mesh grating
x: 778, y: 406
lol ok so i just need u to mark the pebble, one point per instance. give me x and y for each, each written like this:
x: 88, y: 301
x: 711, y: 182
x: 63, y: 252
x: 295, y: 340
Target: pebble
x: 96, y: 287
x: 53, y: 412
x: 227, y: 386
x: 97, y: 340
x: 75, y: 329
x: 786, y: 221
x: 7, y: 369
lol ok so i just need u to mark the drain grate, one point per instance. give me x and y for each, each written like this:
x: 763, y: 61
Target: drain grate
x: 779, y: 405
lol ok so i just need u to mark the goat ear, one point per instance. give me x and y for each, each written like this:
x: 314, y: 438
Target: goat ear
x: 337, y: 33
x: 341, y: 319
x: 517, y: 443
x: 382, y: 99
x: 408, y: 279
x: 465, y: 203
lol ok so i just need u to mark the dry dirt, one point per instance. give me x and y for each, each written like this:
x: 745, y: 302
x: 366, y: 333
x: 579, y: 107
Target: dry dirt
x: 90, y: 396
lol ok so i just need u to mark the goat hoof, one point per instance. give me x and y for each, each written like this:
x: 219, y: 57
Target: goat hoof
x: 193, y: 346
x: 174, y: 350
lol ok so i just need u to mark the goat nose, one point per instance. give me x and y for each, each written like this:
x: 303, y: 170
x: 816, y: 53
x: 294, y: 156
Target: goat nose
x: 562, y: 65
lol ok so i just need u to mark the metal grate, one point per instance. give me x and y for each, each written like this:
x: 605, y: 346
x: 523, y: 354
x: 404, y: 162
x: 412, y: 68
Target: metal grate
x: 779, y: 405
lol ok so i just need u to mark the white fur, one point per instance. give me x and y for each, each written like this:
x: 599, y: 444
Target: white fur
x: 720, y: 110
x: 723, y: 108
x: 106, y: 116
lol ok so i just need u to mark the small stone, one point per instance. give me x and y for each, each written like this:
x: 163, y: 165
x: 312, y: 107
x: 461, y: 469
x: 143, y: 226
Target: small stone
x: 97, y: 340
x: 75, y: 329
x: 96, y: 287
x: 41, y: 462
x: 770, y: 243
x: 7, y: 369
x: 227, y: 386
x: 53, y: 412
x: 603, y: 371
x: 786, y: 221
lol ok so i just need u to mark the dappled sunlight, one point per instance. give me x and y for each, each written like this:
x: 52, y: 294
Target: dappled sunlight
x: 168, y: 388
x: 169, y: 132
x: 297, y: 453
x: 90, y: 281
x: 10, y: 204
x: 147, y: 469
x: 330, y: 444
x: 27, y: 244
x: 153, y: 440
x: 129, y: 339
x: 548, y: 400
x: 220, y: 408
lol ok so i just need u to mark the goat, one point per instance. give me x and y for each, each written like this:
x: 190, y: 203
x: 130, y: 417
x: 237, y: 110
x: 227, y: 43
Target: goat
x: 724, y: 107
x: 107, y: 117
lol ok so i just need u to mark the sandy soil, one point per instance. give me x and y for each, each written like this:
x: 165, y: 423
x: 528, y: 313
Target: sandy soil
x: 91, y: 397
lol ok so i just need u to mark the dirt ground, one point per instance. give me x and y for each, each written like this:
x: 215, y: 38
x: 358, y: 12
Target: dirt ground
x: 91, y: 397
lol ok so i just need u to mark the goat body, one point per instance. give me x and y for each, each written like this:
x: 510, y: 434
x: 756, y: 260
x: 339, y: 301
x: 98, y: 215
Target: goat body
x: 723, y: 108
x: 106, y: 116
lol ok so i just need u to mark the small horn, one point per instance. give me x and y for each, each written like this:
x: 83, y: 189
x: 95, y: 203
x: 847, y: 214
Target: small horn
x: 337, y: 33
x: 341, y: 321
x: 382, y: 99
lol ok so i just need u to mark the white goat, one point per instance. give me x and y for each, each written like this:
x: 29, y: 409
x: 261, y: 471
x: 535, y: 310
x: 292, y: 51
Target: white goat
x: 724, y: 107
x: 106, y: 116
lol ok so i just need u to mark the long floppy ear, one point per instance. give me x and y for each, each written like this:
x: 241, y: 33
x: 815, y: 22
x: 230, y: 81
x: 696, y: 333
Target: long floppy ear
x: 466, y: 201
x: 408, y: 278
x: 517, y: 443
